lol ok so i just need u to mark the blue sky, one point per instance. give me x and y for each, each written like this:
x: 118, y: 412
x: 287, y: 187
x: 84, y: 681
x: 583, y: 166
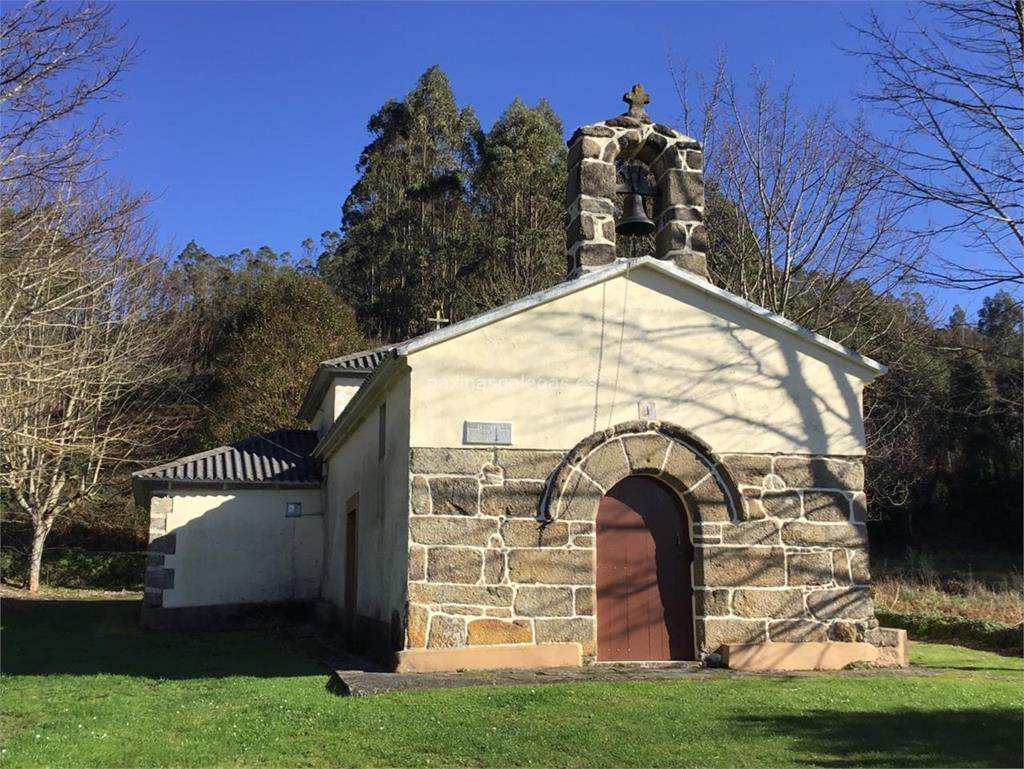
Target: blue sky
x: 246, y: 120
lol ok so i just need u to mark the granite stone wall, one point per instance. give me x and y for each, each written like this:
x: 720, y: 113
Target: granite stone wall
x: 161, y: 543
x: 502, y: 541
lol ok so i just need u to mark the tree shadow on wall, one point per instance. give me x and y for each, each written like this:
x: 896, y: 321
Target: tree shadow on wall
x: 606, y: 356
x: 86, y: 637
x: 970, y: 737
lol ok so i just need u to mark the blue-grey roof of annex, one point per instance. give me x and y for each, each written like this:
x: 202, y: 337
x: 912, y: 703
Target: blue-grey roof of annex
x: 365, y: 360
x: 278, y: 457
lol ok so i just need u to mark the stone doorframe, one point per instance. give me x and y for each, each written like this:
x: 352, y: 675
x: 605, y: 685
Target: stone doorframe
x: 661, y: 450
x: 664, y: 451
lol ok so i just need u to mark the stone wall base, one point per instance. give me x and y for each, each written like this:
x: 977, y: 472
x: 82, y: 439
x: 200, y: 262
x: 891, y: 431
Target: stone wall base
x: 503, y: 657
x: 369, y: 636
x: 893, y: 652
x: 227, y: 616
x: 778, y: 656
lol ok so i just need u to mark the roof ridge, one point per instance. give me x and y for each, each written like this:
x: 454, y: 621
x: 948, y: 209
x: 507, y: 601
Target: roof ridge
x: 624, y: 266
x: 265, y: 437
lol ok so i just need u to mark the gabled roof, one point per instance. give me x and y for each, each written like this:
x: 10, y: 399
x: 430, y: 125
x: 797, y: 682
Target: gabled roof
x: 278, y: 458
x: 386, y: 358
x: 357, y: 364
x: 870, y: 367
x: 366, y: 362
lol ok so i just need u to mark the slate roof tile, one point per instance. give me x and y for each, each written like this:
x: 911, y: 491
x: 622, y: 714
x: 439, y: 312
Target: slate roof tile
x: 281, y: 456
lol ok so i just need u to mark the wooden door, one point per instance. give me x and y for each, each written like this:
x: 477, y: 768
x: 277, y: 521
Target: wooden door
x: 351, y: 566
x: 644, y: 589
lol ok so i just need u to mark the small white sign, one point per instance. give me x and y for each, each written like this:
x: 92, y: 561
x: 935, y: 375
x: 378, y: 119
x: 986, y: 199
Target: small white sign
x: 647, y: 410
x: 292, y: 509
x: 493, y: 433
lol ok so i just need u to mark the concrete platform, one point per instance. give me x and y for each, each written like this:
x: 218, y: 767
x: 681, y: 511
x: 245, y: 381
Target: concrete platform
x: 779, y: 656
x: 783, y: 657
x: 355, y: 677
x: 358, y: 679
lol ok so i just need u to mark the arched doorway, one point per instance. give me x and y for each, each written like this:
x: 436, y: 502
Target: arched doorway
x: 644, y: 587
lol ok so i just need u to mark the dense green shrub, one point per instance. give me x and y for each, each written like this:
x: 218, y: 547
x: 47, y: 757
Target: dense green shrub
x: 974, y: 633
x: 80, y: 569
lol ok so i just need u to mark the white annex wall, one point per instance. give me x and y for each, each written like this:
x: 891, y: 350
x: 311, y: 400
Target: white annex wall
x: 382, y: 484
x: 237, y: 546
x: 583, y: 362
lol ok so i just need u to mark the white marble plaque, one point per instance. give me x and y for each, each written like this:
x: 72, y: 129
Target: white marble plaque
x: 495, y: 433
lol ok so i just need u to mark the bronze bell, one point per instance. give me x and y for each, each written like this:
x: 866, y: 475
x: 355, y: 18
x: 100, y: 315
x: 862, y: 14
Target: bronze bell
x: 634, y: 219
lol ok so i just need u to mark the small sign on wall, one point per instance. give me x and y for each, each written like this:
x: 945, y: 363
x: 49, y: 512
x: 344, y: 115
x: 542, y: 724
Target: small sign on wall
x: 292, y: 509
x: 647, y: 410
x: 491, y: 433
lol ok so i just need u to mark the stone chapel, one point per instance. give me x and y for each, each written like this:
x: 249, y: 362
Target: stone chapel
x: 634, y: 465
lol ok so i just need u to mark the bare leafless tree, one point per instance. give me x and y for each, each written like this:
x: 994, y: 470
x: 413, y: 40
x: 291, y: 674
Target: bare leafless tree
x: 800, y: 213
x: 954, y: 80
x: 57, y: 62
x: 82, y: 359
x: 804, y: 219
x: 81, y: 349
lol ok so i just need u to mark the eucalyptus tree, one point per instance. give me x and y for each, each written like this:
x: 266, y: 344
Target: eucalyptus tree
x: 520, y: 189
x: 407, y: 231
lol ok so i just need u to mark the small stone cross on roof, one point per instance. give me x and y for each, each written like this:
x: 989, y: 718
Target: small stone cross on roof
x: 636, y: 98
x: 438, y: 321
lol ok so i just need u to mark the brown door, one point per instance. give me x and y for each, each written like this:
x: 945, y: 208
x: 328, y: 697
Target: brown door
x: 351, y: 567
x: 644, y: 591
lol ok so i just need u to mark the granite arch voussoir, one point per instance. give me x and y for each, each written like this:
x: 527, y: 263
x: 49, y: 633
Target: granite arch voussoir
x: 657, y: 449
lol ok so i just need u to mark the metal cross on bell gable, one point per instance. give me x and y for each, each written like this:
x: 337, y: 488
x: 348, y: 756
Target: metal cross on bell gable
x: 438, y: 321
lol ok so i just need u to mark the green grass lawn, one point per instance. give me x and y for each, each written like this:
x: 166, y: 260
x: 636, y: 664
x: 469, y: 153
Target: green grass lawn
x: 83, y: 686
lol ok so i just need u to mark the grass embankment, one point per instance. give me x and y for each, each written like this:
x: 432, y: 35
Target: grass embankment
x: 83, y: 686
x: 973, y: 602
